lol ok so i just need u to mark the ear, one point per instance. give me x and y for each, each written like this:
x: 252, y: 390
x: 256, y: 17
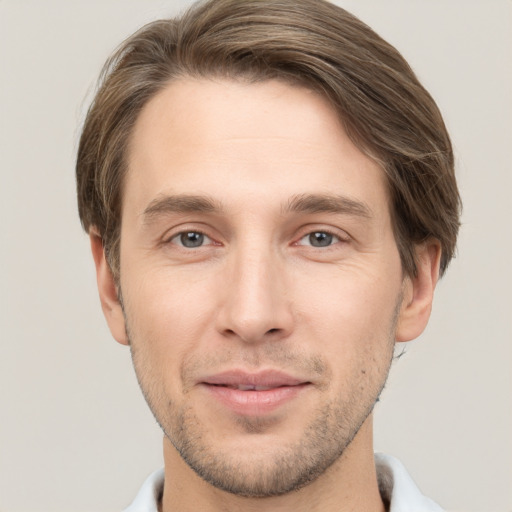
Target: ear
x: 418, y: 292
x: 108, y: 290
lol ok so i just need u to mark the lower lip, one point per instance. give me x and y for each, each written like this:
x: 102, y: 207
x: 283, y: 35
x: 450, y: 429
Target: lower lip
x: 254, y: 403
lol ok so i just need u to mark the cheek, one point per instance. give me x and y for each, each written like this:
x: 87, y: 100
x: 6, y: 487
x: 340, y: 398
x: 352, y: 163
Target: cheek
x: 344, y: 301
x: 165, y: 317
x: 352, y: 320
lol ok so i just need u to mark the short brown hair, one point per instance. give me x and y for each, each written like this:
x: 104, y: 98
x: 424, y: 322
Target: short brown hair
x: 385, y: 110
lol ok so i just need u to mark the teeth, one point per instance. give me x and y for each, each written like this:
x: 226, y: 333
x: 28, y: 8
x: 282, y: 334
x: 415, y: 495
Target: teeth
x: 243, y: 387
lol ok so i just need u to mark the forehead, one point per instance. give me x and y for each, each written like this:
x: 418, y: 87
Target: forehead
x: 245, y: 141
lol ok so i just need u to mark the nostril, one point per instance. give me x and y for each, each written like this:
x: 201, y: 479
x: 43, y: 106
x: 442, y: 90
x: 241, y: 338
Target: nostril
x: 272, y: 331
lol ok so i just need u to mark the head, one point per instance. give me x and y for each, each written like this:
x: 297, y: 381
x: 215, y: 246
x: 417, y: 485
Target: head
x: 381, y: 104
x: 271, y: 191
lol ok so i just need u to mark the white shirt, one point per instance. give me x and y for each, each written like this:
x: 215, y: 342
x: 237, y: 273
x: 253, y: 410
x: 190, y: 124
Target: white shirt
x: 395, y: 484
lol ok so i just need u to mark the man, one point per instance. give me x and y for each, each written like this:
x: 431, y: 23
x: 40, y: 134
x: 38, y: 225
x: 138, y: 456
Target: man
x: 270, y: 198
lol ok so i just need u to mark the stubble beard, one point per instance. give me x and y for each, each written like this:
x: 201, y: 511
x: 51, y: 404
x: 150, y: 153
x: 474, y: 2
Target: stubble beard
x: 259, y: 475
x: 286, y: 468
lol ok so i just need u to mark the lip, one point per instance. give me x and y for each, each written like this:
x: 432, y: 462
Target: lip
x: 272, y: 389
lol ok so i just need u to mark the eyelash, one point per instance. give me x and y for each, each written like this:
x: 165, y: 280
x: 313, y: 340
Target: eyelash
x: 170, y: 239
x: 342, y: 239
x: 338, y: 238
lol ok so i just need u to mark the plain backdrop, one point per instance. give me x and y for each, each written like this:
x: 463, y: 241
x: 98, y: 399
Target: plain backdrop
x: 75, y: 433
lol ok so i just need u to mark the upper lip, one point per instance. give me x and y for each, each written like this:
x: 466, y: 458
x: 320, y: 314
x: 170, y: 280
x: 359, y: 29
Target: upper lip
x: 265, y: 378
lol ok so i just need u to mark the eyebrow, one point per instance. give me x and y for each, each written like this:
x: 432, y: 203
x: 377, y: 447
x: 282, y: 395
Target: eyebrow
x: 180, y: 204
x: 302, y: 203
x: 327, y: 203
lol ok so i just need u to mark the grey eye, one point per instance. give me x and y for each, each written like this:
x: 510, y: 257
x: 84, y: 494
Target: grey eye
x: 190, y: 239
x: 320, y: 239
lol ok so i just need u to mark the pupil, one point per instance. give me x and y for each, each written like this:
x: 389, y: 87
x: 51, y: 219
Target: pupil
x: 192, y: 239
x: 320, y: 239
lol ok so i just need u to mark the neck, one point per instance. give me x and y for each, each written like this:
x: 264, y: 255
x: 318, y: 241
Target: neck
x: 349, y: 484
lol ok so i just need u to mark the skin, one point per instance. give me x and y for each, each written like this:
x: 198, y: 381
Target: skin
x: 234, y: 164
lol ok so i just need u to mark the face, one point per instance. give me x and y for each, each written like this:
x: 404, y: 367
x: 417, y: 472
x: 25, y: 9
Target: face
x: 261, y: 283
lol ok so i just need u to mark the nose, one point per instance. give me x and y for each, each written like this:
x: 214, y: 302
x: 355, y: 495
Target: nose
x: 256, y: 306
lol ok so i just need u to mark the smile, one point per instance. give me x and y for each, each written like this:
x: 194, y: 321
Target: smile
x: 253, y: 394
x: 244, y: 387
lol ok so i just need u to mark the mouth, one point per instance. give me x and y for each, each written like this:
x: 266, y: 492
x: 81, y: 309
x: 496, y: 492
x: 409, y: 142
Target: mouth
x: 248, y: 387
x: 254, y: 394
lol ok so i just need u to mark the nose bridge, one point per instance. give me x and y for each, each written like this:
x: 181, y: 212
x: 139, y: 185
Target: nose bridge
x: 256, y: 305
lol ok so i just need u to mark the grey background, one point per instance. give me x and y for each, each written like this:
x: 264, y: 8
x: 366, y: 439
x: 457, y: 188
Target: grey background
x: 75, y: 433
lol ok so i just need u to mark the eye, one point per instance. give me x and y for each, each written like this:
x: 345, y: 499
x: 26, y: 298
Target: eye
x: 319, y: 239
x: 191, y: 239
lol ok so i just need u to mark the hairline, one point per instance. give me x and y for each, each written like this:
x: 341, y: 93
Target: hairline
x: 249, y: 78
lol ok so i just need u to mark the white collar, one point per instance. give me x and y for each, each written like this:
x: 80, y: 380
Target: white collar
x: 396, y: 487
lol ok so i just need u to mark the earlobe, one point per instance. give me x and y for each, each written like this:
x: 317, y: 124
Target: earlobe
x: 418, y: 292
x: 107, y: 290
